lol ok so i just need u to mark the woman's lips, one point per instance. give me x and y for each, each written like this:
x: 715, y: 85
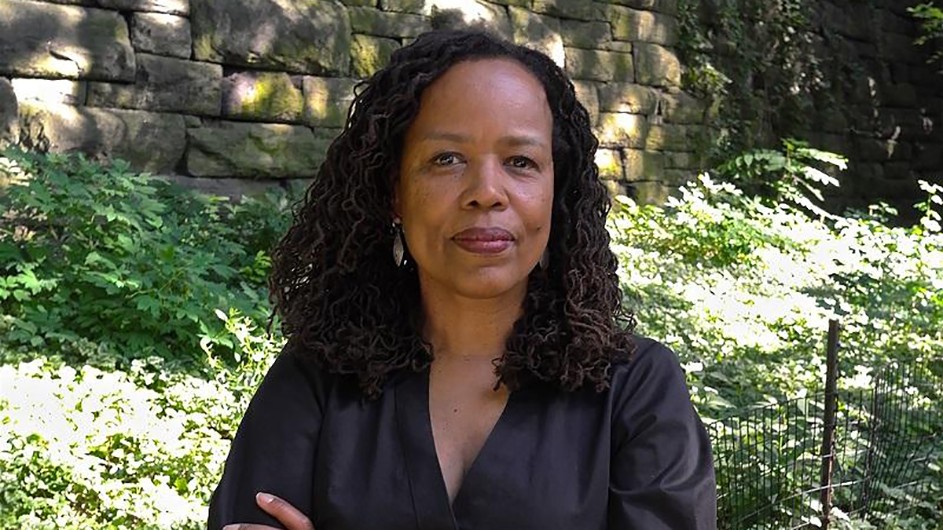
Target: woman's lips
x: 484, y: 240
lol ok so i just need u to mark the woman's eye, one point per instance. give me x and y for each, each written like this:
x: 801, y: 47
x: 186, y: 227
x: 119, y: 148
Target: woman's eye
x: 445, y: 159
x: 521, y: 162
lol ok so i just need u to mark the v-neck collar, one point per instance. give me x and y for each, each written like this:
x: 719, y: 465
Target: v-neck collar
x: 430, y: 496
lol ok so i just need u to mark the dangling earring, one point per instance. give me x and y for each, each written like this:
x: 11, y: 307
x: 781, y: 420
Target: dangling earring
x: 398, y: 249
x: 544, y: 259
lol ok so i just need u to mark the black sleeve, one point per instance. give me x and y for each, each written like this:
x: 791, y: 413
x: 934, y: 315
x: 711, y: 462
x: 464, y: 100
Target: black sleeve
x: 662, y: 474
x: 274, y: 448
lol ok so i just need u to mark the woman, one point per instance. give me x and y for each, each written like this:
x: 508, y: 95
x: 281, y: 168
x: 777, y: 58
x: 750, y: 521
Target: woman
x: 456, y: 356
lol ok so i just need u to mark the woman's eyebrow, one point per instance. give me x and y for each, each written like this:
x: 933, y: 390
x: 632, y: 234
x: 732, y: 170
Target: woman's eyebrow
x: 514, y: 140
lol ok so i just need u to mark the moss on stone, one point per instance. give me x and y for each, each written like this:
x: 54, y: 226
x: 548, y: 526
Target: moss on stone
x: 267, y: 96
x: 369, y: 54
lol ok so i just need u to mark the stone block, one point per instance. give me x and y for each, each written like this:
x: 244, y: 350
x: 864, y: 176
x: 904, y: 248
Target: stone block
x: 627, y: 97
x: 902, y: 124
x: 894, y: 23
x: 643, y: 165
x: 262, y: 96
x: 873, y: 149
x: 458, y: 13
x: 310, y: 37
x: 617, y: 46
x: 588, y: 35
x: 149, y: 141
x: 609, y: 163
x: 835, y: 15
x: 51, y: 90
x: 253, y: 150
x: 597, y: 65
x: 925, y: 78
x: 161, y: 34
x: 175, y: 7
x: 54, y: 41
x: 622, y: 130
x: 867, y: 172
x: 671, y: 137
x: 164, y: 84
x: 678, y: 177
x: 9, y: 118
x: 898, y: 171
x: 617, y: 187
x: 643, y: 26
x: 572, y: 9
x: 653, y: 192
x: 902, y: 151
x: 369, y: 54
x: 656, y: 65
x: 383, y: 24
x: 327, y: 100
x: 586, y: 94
x: 461, y: 14
x: 234, y: 189
x: 928, y: 156
x: 682, y: 107
x: 418, y: 7
x: 832, y: 120
x: 538, y: 32
x: 515, y: 3
x: 833, y: 143
x: 899, y: 48
x: 669, y: 7
x: 683, y: 160
x: 900, y: 95
x: 867, y: 50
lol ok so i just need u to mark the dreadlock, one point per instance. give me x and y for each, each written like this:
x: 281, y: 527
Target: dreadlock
x: 344, y: 303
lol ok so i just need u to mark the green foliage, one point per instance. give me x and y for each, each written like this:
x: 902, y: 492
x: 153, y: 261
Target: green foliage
x: 100, y: 431
x: 930, y: 16
x: 743, y: 289
x: 791, y: 174
x: 96, y: 260
x: 138, y: 448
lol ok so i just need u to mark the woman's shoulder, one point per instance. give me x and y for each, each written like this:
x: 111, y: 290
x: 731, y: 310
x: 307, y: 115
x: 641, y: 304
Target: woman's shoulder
x: 297, y: 371
x: 647, y: 355
x: 650, y: 369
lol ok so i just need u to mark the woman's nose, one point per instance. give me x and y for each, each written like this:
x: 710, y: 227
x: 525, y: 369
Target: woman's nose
x: 485, y: 185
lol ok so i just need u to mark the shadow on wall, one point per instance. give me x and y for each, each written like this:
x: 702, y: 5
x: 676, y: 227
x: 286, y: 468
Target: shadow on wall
x: 48, y: 52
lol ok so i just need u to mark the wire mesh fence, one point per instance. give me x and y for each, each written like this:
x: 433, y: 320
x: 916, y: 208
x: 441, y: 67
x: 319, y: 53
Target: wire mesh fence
x: 778, y: 467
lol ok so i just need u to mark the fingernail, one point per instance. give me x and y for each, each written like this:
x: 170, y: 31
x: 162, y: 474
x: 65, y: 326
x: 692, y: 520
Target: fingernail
x: 263, y: 498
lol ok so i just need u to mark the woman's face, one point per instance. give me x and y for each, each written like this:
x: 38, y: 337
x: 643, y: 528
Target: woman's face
x: 475, y: 189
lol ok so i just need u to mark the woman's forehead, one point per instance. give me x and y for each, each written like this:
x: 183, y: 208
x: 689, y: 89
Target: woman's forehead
x: 486, y: 92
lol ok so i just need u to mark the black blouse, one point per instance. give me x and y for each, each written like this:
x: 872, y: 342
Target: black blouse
x: 633, y: 457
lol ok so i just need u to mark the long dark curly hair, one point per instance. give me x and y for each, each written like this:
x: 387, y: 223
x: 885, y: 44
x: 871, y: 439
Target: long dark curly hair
x: 344, y: 302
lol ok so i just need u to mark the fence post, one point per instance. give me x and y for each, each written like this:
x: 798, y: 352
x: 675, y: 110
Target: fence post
x: 828, y: 435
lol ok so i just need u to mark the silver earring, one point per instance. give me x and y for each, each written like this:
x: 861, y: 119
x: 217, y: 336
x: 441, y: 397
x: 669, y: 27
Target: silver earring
x: 398, y: 249
x: 544, y: 259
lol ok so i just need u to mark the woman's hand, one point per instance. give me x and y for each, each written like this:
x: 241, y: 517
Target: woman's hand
x: 278, y: 508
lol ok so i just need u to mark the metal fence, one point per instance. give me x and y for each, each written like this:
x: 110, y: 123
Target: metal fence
x: 810, y: 462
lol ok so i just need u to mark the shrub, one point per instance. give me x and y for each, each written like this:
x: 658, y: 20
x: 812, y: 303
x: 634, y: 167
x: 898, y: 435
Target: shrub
x: 100, y: 427
x: 96, y: 261
x: 137, y: 448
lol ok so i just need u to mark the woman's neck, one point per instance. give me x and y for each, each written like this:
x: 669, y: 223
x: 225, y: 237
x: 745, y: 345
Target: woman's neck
x: 470, y: 328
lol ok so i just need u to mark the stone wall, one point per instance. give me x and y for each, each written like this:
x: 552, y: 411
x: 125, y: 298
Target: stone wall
x: 858, y: 86
x: 227, y: 94
x: 233, y: 95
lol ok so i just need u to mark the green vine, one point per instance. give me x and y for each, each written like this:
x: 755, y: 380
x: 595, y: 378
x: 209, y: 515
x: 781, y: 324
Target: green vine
x: 766, y: 64
x: 930, y: 16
